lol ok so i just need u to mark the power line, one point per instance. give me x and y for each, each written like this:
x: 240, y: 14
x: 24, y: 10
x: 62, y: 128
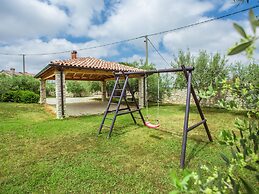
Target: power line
x: 203, y: 22
x: 139, y: 37
x: 158, y: 52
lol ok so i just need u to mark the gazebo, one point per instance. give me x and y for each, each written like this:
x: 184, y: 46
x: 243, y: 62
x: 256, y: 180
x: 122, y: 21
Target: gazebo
x: 83, y: 69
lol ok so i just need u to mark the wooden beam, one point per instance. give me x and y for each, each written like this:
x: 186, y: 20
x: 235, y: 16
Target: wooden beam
x: 87, y: 71
x: 73, y: 75
x: 79, y: 79
x: 48, y: 75
x: 130, y: 76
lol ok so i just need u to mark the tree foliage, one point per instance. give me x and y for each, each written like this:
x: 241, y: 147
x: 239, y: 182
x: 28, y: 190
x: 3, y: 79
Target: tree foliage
x: 22, y: 82
x: 242, y: 165
x: 242, y: 88
x: 209, y: 71
x: 164, y: 82
x: 247, y: 42
x: 78, y: 88
x: 19, y: 88
x: 95, y: 86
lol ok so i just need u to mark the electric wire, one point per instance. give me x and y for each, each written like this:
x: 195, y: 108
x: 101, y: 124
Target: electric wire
x: 158, y: 52
x: 139, y: 37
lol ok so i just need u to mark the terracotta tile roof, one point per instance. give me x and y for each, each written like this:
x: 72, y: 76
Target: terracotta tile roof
x: 86, y: 68
x: 93, y: 63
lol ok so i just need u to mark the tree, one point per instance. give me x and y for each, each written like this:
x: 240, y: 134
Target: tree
x: 5, y: 84
x: 244, y: 86
x: 95, y: 86
x: 25, y: 83
x: 78, y: 88
x: 209, y: 71
x: 22, y: 82
x: 50, y: 89
x: 242, y: 165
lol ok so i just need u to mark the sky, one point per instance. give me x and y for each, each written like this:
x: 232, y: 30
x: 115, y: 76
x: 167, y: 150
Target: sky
x: 33, y: 27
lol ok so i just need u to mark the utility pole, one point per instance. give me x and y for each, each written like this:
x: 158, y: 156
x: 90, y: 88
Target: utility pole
x: 23, y: 63
x: 146, y: 41
x: 145, y: 78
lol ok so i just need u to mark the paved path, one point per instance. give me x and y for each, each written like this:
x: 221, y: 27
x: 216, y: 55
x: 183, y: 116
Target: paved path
x: 81, y: 106
x: 52, y: 101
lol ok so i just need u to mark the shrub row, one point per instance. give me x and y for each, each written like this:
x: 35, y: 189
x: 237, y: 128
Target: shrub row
x: 23, y: 96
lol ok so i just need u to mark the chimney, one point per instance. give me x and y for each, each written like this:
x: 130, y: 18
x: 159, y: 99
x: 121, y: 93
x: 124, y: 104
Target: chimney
x: 12, y: 71
x: 74, y: 54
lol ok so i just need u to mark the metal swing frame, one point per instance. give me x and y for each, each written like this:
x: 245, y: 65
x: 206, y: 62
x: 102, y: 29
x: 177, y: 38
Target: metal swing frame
x: 121, y: 111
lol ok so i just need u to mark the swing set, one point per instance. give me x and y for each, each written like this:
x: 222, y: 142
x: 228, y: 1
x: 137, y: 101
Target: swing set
x: 125, y: 86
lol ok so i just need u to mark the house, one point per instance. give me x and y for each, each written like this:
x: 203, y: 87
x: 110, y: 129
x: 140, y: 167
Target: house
x: 12, y: 72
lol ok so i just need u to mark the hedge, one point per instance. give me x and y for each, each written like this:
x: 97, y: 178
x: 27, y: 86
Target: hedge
x: 21, y: 96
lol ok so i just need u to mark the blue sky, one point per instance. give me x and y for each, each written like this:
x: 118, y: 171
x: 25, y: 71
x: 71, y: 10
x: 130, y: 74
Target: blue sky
x: 47, y: 26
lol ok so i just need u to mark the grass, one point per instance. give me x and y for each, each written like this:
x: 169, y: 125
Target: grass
x: 41, y: 154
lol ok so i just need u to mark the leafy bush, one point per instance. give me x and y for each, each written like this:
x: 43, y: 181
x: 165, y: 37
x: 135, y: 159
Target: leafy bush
x: 243, y: 88
x: 15, y: 83
x: 241, y: 172
x: 21, y: 96
x: 5, y: 84
x: 11, y: 96
x: 247, y: 42
x: 25, y: 83
x: 29, y: 97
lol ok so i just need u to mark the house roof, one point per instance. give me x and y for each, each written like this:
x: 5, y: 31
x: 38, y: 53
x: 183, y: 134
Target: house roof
x: 15, y: 73
x: 86, y: 68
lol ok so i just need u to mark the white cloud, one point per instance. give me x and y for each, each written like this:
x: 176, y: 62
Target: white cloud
x: 215, y: 36
x: 23, y: 23
x: 80, y: 13
x: 132, y: 18
x: 34, y: 63
x: 153, y: 58
x: 29, y: 19
x: 226, y: 5
x: 35, y: 19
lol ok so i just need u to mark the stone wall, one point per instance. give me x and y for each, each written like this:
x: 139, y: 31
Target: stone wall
x: 177, y: 97
x: 141, y: 91
x: 59, y: 110
x: 42, y: 91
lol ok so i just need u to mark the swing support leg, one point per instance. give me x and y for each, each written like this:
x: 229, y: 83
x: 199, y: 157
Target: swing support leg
x: 186, y: 128
x: 186, y: 119
x: 197, y: 103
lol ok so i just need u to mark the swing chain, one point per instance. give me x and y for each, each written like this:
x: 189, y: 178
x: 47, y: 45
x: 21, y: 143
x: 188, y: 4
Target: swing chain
x: 158, y: 96
x: 158, y: 99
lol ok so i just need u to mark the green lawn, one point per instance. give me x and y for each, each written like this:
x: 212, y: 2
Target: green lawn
x: 41, y: 154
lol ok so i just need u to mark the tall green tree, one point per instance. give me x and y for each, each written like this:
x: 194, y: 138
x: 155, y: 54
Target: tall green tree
x: 241, y: 175
x: 209, y: 71
x: 78, y: 88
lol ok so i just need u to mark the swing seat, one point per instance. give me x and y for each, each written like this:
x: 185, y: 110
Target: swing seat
x: 150, y: 125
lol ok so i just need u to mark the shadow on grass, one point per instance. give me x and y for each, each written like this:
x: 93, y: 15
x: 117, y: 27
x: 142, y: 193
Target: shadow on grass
x: 197, y: 148
x: 119, y: 130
